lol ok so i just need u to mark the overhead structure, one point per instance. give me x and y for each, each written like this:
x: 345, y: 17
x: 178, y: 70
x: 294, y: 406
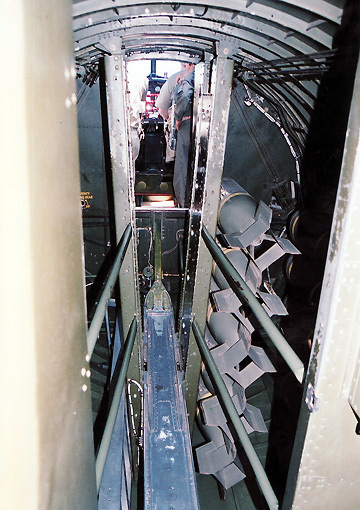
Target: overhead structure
x: 281, y: 49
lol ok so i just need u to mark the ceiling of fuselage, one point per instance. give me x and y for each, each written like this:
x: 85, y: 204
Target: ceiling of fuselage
x: 281, y: 47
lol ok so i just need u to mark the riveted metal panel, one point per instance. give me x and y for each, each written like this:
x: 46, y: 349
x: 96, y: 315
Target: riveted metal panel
x: 213, y: 166
x: 123, y: 188
x: 324, y: 467
x: 122, y: 169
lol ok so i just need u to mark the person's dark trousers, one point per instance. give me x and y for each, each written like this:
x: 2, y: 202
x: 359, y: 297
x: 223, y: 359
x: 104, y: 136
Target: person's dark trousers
x: 181, y: 161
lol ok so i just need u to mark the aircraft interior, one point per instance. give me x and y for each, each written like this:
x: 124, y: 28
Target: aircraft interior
x: 172, y: 356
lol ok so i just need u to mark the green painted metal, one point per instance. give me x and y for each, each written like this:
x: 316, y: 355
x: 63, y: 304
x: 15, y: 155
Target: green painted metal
x: 231, y: 411
x: 98, y: 317
x: 105, y: 442
x: 123, y: 179
x: 324, y: 469
x: 243, y: 292
x: 211, y: 126
x: 157, y: 247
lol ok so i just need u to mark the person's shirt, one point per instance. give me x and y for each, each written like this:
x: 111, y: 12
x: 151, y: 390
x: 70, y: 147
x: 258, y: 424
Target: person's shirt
x: 166, y: 94
x: 184, y: 93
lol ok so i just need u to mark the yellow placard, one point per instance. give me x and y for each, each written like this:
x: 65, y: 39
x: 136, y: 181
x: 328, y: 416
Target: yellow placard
x: 85, y: 196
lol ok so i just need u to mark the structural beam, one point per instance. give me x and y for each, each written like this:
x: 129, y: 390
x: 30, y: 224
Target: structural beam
x: 123, y: 178
x: 211, y: 142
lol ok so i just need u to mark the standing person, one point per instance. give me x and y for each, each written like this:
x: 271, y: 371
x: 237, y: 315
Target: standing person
x: 178, y: 92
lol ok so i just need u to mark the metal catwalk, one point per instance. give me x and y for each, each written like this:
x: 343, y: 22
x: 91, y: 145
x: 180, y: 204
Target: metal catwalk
x: 169, y: 475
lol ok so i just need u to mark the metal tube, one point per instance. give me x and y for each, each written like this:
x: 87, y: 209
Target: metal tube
x: 106, y: 438
x: 235, y: 419
x: 107, y: 323
x: 157, y: 246
x: 243, y: 292
x: 181, y: 256
x: 97, y: 320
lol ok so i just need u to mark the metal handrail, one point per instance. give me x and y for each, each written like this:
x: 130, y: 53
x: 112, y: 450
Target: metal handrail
x: 235, y: 419
x: 97, y: 320
x: 245, y: 295
x: 110, y: 422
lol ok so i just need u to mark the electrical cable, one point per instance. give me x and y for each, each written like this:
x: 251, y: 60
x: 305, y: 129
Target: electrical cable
x: 177, y: 242
x: 295, y: 154
x: 140, y: 389
x: 285, y: 110
x: 138, y: 437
